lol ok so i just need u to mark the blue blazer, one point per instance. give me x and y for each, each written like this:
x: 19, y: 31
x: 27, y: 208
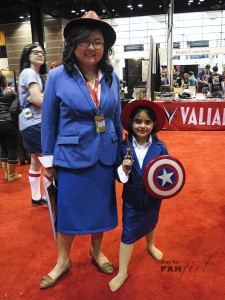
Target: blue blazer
x: 68, y: 124
x: 134, y: 191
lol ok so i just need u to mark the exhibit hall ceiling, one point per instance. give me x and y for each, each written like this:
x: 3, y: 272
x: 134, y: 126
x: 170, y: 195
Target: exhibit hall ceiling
x: 13, y: 11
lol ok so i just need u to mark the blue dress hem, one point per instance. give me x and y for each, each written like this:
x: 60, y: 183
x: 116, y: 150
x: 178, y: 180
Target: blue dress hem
x: 88, y: 231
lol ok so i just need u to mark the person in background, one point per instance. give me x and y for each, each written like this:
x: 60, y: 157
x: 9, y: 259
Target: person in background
x: 79, y: 143
x: 10, y: 86
x: 122, y: 89
x: 164, y: 80
x: 216, y: 84
x: 32, y: 66
x: 54, y: 64
x: 142, y: 119
x: 185, y: 81
x: 223, y: 74
x: 192, y: 81
x: 202, y: 78
x: 23, y: 155
x: 178, y: 81
x: 9, y: 132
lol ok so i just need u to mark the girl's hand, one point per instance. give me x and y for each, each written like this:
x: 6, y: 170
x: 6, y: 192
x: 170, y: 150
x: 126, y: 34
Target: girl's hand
x: 127, y: 165
x: 50, y: 173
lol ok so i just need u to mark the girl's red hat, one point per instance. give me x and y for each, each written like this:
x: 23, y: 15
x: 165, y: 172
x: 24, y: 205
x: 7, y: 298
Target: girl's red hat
x: 158, y: 111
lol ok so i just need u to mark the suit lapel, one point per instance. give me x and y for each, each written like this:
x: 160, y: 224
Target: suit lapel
x: 149, y: 155
x: 83, y: 88
x: 104, y: 93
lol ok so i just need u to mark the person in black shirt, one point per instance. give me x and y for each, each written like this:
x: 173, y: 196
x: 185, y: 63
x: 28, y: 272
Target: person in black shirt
x: 216, y: 84
x: 9, y: 132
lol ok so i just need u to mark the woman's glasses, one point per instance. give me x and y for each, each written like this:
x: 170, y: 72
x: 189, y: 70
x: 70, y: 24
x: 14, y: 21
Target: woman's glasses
x: 98, y: 45
x: 36, y: 52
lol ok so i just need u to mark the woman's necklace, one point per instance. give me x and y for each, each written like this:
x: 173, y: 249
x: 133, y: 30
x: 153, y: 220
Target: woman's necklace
x: 93, y: 89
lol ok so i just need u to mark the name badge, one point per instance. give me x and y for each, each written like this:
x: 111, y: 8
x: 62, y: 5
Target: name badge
x: 100, y: 123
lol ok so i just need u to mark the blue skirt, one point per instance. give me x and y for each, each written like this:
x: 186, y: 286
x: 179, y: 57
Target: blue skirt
x: 32, y: 138
x: 138, y: 223
x: 86, y: 200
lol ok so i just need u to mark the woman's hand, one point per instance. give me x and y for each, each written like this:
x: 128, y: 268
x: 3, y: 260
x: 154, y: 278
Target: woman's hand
x: 127, y: 165
x: 50, y: 173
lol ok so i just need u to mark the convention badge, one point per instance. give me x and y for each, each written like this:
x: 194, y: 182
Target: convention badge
x: 164, y: 177
x: 100, y: 123
x: 27, y: 113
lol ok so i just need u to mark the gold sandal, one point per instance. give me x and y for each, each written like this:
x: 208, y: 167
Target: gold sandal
x: 47, y: 280
x: 106, y: 268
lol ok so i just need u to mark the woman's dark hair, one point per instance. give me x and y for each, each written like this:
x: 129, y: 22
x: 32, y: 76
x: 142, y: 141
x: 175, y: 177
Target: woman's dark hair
x: 70, y: 44
x: 3, y: 81
x: 25, y: 62
x: 151, y: 115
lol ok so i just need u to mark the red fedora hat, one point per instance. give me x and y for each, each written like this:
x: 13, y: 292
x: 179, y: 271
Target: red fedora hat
x: 158, y: 111
x: 92, y: 19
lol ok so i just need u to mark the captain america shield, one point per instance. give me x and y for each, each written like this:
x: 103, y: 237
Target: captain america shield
x: 164, y: 177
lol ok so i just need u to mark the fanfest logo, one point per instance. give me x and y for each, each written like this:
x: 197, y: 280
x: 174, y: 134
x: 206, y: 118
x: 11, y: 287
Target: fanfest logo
x: 174, y: 270
x: 164, y: 177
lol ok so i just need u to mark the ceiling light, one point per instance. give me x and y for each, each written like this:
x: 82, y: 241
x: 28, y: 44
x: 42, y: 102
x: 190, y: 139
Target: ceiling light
x: 129, y: 6
x: 140, y: 5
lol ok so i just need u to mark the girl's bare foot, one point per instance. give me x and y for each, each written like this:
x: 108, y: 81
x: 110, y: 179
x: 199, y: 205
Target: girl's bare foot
x: 155, y: 253
x: 117, y: 282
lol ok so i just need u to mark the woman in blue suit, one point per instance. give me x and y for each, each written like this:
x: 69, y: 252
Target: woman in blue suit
x: 81, y: 130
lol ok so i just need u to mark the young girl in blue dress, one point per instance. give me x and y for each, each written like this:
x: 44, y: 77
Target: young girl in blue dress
x: 142, y: 119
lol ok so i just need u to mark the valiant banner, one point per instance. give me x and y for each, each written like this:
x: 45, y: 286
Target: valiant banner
x: 207, y: 115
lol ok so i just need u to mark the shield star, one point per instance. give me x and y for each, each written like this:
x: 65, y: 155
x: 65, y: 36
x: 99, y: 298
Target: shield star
x: 165, y: 177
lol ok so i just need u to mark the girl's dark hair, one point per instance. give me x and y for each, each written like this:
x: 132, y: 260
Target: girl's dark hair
x: 3, y: 81
x: 151, y: 115
x: 70, y: 44
x: 25, y: 62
